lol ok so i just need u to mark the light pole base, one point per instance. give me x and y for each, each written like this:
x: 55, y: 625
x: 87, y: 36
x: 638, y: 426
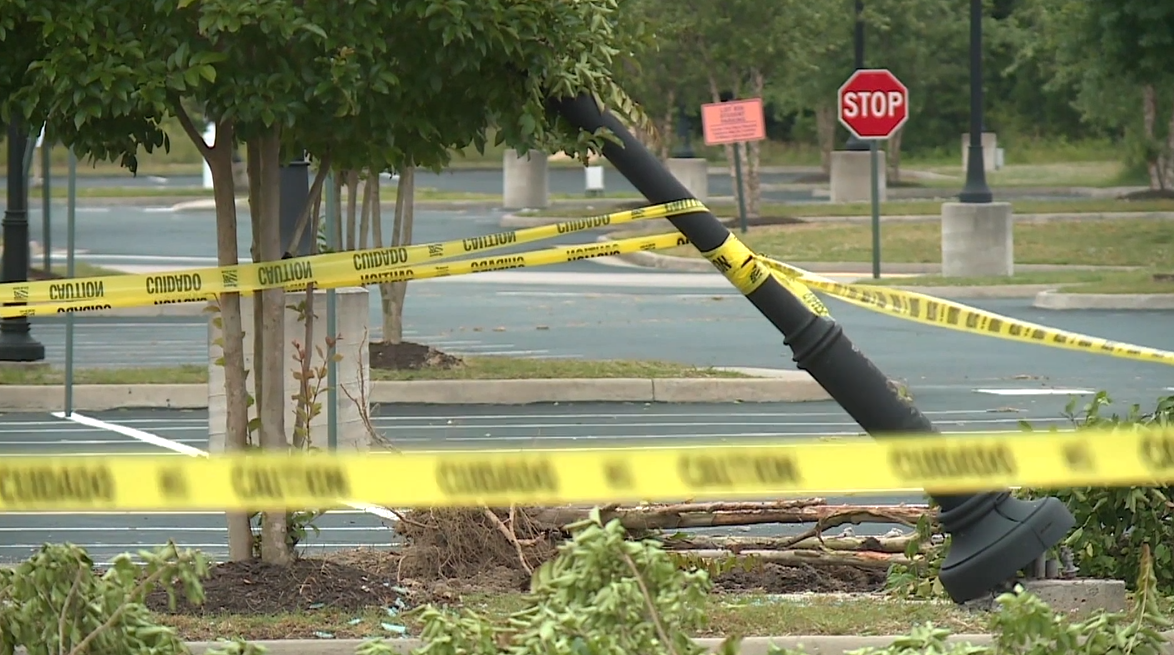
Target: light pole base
x: 856, y: 145
x: 994, y: 536
x: 17, y: 345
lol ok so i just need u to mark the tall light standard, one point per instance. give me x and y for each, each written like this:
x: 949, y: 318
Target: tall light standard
x: 16, y: 342
x: 976, y: 190
x: 853, y: 143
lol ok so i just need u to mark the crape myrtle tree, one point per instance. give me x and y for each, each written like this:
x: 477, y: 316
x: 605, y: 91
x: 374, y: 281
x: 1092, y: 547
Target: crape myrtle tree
x: 355, y: 83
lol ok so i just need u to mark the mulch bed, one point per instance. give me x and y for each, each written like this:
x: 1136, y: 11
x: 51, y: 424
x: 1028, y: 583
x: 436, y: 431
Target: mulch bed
x: 1148, y: 194
x: 254, y: 587
x: 362, y: 579
x: 779, y: 579
x: 408, y: 356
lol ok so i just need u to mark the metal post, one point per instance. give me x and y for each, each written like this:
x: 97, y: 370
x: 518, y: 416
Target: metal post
x: 994, y: 535
x: 16, y: 342
x: 46, y: 199
x: 331, y: 326
x: 976, y: 190
x: 295, y: 195
x: 684, y: 149
x: 853, y: 143
x: 740, y: 192
x: 70, y: 249
x: 874, y: 164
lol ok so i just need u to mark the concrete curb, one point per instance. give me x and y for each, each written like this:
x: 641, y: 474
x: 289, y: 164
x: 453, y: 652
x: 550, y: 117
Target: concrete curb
x: 794, y: 387
x: 1056, y: 300
x: 813, y: 645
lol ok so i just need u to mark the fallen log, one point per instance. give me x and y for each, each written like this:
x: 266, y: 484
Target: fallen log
x: 711, y: 515
x: 743, y: 544
x: 801, y: 557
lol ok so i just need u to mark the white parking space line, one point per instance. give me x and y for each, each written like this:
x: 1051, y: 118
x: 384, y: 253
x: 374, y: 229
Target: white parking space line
x: 1036, y: 392
x: 184, y: 449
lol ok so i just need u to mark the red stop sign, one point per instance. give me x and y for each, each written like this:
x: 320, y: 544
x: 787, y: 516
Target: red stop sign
x: 873, y: 104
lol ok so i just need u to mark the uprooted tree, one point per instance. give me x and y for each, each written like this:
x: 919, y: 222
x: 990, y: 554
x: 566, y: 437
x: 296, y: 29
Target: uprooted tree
x: 359, y: 85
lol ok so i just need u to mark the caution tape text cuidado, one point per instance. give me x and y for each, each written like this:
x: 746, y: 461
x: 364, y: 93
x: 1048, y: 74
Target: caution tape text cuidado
x: 332, y: 270
x: 242, y: 482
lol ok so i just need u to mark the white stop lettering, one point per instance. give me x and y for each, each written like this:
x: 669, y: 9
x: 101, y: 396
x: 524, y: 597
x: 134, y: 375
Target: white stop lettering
x: 872, y: 104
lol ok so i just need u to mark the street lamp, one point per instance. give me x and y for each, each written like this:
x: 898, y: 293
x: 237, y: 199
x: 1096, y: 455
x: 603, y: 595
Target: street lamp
x: 684, y: 144
x: 976, y: 190
x: 16, y: 342
x: 853, y: 143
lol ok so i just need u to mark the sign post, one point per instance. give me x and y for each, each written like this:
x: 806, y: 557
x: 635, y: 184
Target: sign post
x: 734, y: 122
x: 873, y: 105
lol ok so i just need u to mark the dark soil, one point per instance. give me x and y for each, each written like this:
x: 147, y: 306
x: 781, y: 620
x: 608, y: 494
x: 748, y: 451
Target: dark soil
x: 257, y: 588
x: 363, y: 579
x: 37, y: 274
x: 1148, y: 194
x: 779, y: 579
x: 408, y: 356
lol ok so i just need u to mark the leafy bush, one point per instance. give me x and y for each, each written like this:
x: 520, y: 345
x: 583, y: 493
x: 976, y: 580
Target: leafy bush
x: 1025, y: 625
x: 54, y: 603
x: 1113, y: 524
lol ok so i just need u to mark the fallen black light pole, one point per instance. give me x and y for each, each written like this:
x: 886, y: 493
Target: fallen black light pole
x: 16, y: 342
x: 994, y: 534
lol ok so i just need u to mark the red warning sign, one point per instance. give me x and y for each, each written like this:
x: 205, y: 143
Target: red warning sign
x: 736, y: 121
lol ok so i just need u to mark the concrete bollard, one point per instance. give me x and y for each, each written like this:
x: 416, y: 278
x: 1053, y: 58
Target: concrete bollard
x: 977, y: 239
x: 693, y: 173
x: 525, y: 181
x: 353, y: 321
x: 851, y: 176
x: 990, y: 146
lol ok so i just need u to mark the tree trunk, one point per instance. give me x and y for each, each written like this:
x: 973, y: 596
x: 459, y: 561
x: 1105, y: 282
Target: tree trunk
x: 352, y: 206
x: 365, y: 213
x: 742, y: 544
x: 808, y: 557
x: 668, y: 135
x: 716, y: 93
x: 825, y: 131
x: 236, y: 418
x: 1149, y: 120
x: 1167, y: 155
x: 893, y: 157
x: 392, y: 294
x: 271, y: 402
x: 253, y: 150
x: 339, y: 183
x: 754, y: 153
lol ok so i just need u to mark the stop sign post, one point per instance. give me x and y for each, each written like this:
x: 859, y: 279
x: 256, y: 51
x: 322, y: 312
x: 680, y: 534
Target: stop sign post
x: 873, y: 104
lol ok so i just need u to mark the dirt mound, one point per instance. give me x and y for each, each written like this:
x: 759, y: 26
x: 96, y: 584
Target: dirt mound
x: 1148, y: 194
x: 778, y: 579
x: 408, y: 356
x: 256, y: 588
x: 474, y: 546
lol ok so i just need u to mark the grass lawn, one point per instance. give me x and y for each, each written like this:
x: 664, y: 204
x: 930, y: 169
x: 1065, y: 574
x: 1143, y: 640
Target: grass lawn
x: 475, y: 368
x: 1072, y: 281
x: 1116, y: 242
x: 899, y: 208
x: 741, y: 614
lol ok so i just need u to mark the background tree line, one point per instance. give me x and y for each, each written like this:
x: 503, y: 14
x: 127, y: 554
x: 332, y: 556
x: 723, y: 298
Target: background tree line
x: 1055, y: 70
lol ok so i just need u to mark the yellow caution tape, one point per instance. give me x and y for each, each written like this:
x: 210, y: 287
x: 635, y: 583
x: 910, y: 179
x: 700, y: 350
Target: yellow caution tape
x: 298, y: 275
x: 739, y: 264
x: 929, y: 310
x: 256, y: 481
x: 351, y: 267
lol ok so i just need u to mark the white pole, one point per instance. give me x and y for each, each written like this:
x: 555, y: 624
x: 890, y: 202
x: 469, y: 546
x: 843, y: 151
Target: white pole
x: 210, y: 139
